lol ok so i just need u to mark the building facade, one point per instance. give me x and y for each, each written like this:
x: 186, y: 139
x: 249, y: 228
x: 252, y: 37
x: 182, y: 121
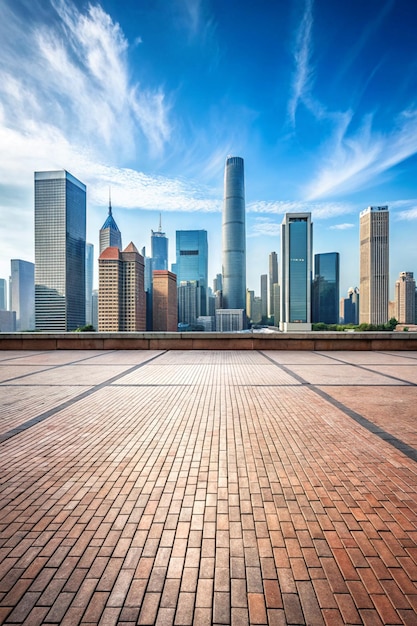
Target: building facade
x: 374, y: 265
x: 60, y: 228
x: 121, y: 295
x: 165, y: 308
x: 22, y: 293
x: 295, y: 272
x: 3, y: 294
x: 110, y: 235
x: 326, y: 288
x: 349, y: 307
x: 230, y: 320
x: 192, y: 266
x: 264, y: 296
x: 234, y: 235
x: 405, y: 298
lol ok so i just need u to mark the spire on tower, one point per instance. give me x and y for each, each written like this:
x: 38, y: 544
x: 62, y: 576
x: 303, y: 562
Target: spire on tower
x: 110, y: 200
x: 160, y: 222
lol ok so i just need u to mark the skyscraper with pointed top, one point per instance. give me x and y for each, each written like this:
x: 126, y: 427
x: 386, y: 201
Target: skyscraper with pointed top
x: 110, y: 235
x: 159, y: 248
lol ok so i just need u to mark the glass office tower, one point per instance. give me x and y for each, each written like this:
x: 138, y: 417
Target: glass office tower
x: 192, y: 263
x: 22, y: 293
x: 60, y: 228
x: 326, y: 288
x: 234, y: 236
x: 89, y: 278
x: 159, y: 248
x: 110, y: 235
x: 295, y: 268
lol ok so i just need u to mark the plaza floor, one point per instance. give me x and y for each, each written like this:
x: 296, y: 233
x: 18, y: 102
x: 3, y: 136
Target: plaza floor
x: 208, y: 487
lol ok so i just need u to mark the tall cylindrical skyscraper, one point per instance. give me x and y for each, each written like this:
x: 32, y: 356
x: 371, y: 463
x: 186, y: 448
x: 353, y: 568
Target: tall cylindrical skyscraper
x: 234, y: 236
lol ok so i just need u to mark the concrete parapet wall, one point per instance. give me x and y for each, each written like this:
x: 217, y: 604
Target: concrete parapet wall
x: 318, y: 341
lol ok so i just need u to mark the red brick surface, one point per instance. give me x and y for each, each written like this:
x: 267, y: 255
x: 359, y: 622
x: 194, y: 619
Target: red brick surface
x: 208, y: 487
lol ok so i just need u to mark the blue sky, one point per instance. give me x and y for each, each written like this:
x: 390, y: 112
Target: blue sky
x: 150, y: 96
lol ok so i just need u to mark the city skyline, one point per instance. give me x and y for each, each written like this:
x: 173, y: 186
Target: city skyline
x: 152, y: 100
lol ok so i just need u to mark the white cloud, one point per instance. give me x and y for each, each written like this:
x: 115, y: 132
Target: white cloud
x: 352, y: 161
x: 301, y: 84
x: 342, y: 226
x: 319, y: 210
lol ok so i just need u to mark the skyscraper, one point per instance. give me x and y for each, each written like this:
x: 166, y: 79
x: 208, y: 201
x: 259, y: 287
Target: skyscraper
x: 405, y: 298
x: 349, y: 307
x: 89, y: 276
x: 326, y: 288
x: 234, y: 238
x: 264, y: 295
x: 374, y: 265
x: 273, y: 280
x: 159, y: 249
x: 192, y: 264
x: 22, y: 293
x: 60, y: 226
x: 295, y: 268
x: 121, y: 299
x: 110, y: 235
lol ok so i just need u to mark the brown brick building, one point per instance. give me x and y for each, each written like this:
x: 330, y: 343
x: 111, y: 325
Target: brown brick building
x: 121, y: 299
x: 164, y: 302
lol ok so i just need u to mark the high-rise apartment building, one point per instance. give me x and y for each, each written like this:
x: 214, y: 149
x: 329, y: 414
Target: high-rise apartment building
x: 234, y: 237
x: 295, y: 271
x: 326, y: 288
x: 121, y: 299
x: 89, y: 277
x: 374, y: 265
x: 60, y: 227
x: 188, y: 301
x: 110, y: 235
x: 405, y: 298
x: 22, y: 293
x: 192, y: 266
x: 273, y: 280
x: 159, y: 249
x: 165, y: 308
x: 3, y: 294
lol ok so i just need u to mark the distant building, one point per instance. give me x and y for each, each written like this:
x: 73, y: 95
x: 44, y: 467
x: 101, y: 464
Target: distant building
x: 121, y: 300
x: 374, y: 265
x: 257, y: 310
x: 7, y: 321
x: 110, y: 235
x: 165, y: 309
x: 234, y: 237
x: 295, y: 272
x: 60, y: 227
x: 89, y: 277
x: 22, y: 293
x: 192, y: 267
x: 349, y: 307
x: 326, y: 288
x: 207, y: 322
x: 272, y: 280
x: 230, y: 320
x: 250, y: 295
x: 405, y: 298
x: 159, y: 249
x: 94, y: 308
x: 217, y: 283
x: 3, y: 294
x: 264, y: 296
x: 188, y: 301
x: 277, y: 303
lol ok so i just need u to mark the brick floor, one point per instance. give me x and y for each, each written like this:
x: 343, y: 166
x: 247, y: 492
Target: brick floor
x: 208, y: 488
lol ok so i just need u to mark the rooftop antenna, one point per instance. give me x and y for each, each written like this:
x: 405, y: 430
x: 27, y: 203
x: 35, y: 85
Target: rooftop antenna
x: 160, y: 222
x: 109, y: 200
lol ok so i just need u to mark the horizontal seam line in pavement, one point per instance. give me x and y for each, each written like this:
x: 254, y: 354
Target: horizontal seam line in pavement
x: 409, y: 451
x: 64, y: 405
x: 368, y: 369
x: 52, y: 367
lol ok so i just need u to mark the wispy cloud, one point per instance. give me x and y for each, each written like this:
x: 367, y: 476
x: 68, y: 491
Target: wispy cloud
x: 73, y: 72
x: 351, y: 161
x: 319, y: 210
x: 301, y: 84
x: 345, y: 226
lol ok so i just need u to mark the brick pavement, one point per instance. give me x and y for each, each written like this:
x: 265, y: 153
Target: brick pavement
x: 208, y: 488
